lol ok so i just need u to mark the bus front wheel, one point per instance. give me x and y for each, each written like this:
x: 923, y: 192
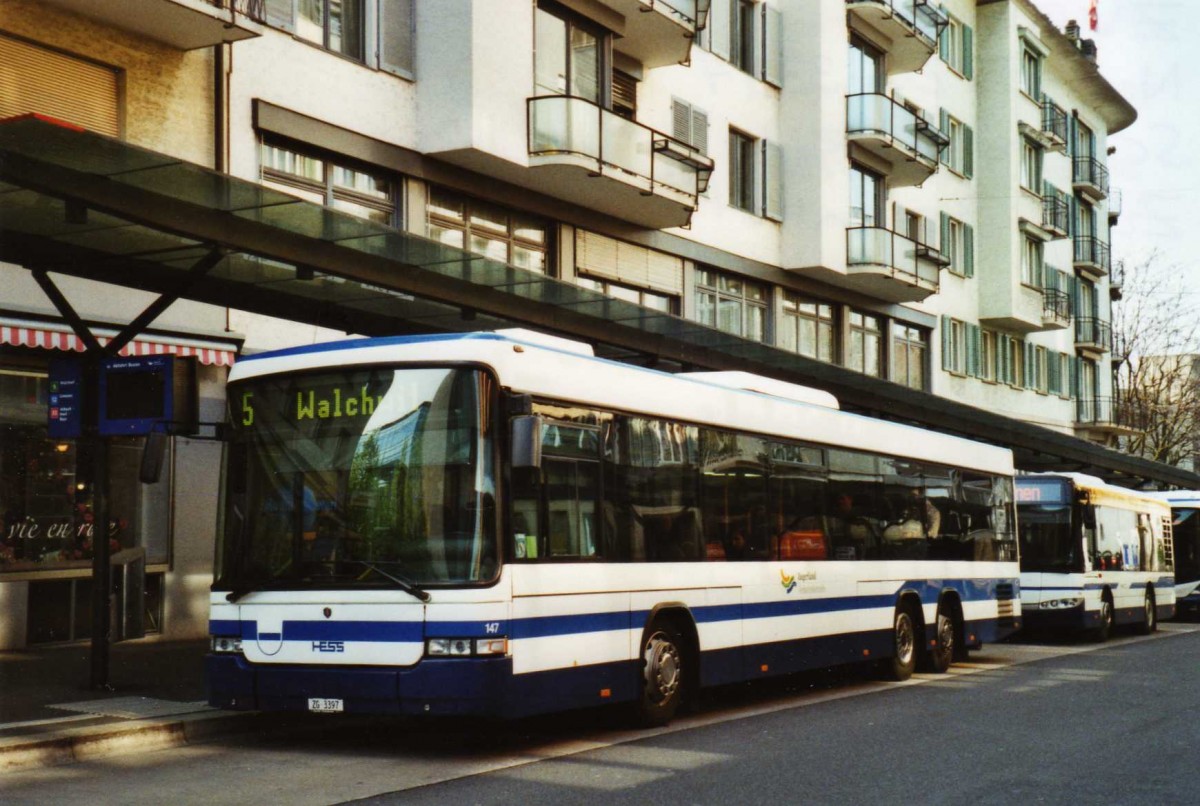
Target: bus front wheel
x: 1107, y: 616
x: 663, y: 664
x: 1150, y: 622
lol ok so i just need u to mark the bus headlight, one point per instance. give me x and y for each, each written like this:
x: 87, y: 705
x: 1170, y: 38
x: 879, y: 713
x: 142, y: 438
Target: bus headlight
x: 1061, y: 604
x: 441, y: 647
x: 224, y: 644
x: 466, y: 647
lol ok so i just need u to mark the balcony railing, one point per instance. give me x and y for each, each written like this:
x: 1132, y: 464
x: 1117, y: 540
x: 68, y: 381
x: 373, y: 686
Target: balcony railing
x: 1056, y: 306
x: 1102, y: 412
x: 1056, y: 211
x: 254, y: 9
x: 1093, y: 333
x: 1054, y: 122
x: 902, y: 137
x: 1092, y: 253
x: 894, y: 259
x: 1089, y: 176
x: 659, y: 32
x: 576, y: 132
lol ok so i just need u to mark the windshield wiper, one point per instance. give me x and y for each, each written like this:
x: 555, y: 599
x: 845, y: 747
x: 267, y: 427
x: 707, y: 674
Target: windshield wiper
x: 403, y: 584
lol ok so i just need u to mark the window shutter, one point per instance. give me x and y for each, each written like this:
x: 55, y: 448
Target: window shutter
x: 968, y: 55
x: 968, y: 151
x: 681, y: 120
x: 968, y: 250
x: 1005, y: 356
x: 1075, y: 377
x: 972, y: 367
x: 280, y: 14
x: 944, y: 122
x: 36, y: 79
x: 718, y: 24
x: 944, y: 242
x: 944, y: 39
x: 700, y: 130
x: 624, y: 92
x: 946, y: 335
x: 1029, y: 380
x: 395, y: 27
x: 772, y: 172
x: 772, y: 45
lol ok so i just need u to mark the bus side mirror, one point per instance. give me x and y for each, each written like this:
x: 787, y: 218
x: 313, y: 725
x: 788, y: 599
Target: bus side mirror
x: 527, y: 441
x: 153, y: 453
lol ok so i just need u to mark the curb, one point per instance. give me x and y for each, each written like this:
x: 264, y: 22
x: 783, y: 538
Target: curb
x: 144, y: 735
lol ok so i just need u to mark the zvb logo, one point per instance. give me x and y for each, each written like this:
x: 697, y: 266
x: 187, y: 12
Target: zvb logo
x: 788, y: 581
x: 328, y: 646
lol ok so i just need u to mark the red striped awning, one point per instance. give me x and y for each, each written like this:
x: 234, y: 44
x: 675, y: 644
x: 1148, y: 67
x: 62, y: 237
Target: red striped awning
x: 53, y: 337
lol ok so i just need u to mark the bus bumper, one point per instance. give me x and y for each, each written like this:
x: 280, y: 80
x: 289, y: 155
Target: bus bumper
x: 1069, y: 619
x: 437, y: 687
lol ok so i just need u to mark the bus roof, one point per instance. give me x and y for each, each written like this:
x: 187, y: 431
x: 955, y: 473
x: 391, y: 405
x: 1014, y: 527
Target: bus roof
x: 1179, y: 499
x: 551, y: 370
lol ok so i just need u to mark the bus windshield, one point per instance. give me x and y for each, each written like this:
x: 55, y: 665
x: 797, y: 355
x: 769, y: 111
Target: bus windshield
x: 359, y: 478
x: 1047, y: 541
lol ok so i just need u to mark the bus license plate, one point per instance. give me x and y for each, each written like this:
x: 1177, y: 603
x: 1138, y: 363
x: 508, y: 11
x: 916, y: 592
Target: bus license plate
x: 324, y: 705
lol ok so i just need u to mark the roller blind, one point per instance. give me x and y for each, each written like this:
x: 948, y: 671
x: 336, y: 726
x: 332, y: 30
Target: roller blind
x: 36, y: 79
x: 627, y: 263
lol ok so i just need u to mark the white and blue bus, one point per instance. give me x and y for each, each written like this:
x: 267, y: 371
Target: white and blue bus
x: 502, y: 524
x: 1185, y: 523
x: 1093, y: 555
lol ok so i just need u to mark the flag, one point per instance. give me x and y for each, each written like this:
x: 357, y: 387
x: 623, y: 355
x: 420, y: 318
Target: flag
x: 1093, y: 16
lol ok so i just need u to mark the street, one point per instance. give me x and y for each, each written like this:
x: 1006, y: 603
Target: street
x: 1022, y: 722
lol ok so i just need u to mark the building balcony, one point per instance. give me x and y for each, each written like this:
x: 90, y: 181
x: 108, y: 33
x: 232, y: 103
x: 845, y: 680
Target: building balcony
x: 912, y: 26
x: 1120, y: 349
x: 1090, y: 177
x: 1056, y: 212
x: 659, y: 32
x: 1093, y: 336
x: 1092, y: 254
x: 592, y: 156
x: 1054, y: 125
x: 1056, y: 309
x: 908, y: 142
x: 891, y: 266
x: 1114, y: 206
x: 1103, y: 416
x: 1116, y: 282
x: 182, y: 24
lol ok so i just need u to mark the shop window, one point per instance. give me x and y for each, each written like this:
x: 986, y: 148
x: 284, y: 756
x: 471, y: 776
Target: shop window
x: 808, y: 327
x: 354, y: 189
x: 638, y: 296
x: 731, y: 304
x: 865, y: 349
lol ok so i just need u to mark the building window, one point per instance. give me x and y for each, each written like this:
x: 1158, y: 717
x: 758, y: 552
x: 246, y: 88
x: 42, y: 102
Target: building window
x: 866, y: 197
x: 741, y: 171
x: 987, y: 356
x: 955, y: 345
x: 741, y: 35
x: 1041, y: 370
x: 1031, y: 167
x: 731, y: 304
x: 865, y: 349
x: 910, y: 349
x: 568, y: 55
x: 865, y: 68
x: 638, y: 296
x: 53, y: 83
x: 1031, y: 262
x: 955, y: 47
x: 1064, y: 375
x: 958, y: 246
x: 486, y: 229
x: 808, y: 327
x: 959, y: 155
x: 1031, y: 74
x: 1016, y: 362
x: 356, y: 190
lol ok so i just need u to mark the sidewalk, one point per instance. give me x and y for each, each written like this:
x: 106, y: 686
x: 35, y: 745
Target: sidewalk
x: 49, y: 715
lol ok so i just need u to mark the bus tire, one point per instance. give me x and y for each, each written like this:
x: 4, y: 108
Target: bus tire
x: 1107, y: 616
x: 1150, y: 621
x: 945, y: 640
x: 662, y: 666
x: 905, y: 647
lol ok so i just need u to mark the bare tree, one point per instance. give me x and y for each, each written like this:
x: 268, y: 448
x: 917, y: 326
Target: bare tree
x: 1156, y: 325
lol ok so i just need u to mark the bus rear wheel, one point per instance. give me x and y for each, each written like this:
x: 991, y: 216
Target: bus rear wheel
x: 903, y: 662
x: 945, y: 645
x: 1150, y: 622
x: 663, y: 664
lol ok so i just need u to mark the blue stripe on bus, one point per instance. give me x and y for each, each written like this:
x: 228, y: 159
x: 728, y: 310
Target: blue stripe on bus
x: 581, y: 623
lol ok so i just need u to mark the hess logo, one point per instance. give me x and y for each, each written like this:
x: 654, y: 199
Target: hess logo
x: 328, y: 646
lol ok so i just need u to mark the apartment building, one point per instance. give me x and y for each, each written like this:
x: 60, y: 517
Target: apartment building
x: 915, y: 192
